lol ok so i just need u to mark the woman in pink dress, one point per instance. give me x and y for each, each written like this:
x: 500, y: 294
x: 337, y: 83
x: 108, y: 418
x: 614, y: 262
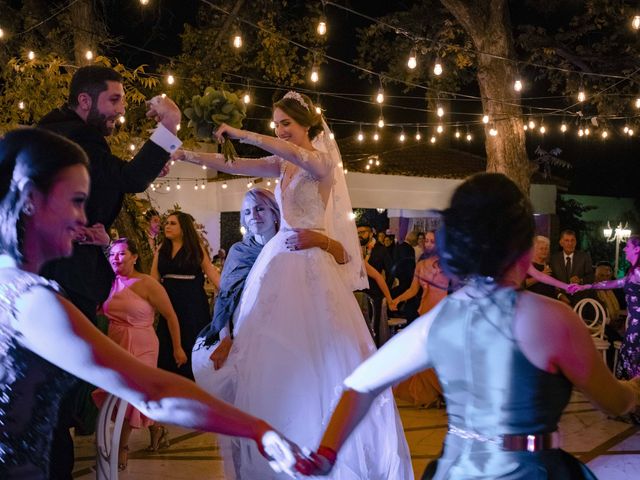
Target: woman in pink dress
x: 130, y: 308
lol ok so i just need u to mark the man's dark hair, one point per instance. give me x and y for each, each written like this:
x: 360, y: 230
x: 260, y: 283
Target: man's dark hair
x: 364, y: 224
x: 91, y: 80
x: 567, y: 231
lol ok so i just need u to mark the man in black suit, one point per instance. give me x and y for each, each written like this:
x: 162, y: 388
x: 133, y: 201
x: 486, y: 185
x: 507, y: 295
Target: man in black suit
x: 376, y: 255
x: 96, y: 101
x: 571, y: 265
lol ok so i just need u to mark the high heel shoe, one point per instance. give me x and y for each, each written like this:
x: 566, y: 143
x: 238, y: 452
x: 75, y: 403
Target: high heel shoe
x: 123, y: 457
x: 159, y: 438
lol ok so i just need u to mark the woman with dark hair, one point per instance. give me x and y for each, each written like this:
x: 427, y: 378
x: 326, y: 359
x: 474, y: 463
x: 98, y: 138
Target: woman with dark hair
x: 130, y: 308
x: 507, y: 359
x: 629, y: 363
x: 299, y: 330
x: 45, y: 340
x: 180, y: 264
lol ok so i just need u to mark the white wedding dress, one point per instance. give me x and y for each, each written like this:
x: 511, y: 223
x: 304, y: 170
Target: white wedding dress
x: 299, y: 334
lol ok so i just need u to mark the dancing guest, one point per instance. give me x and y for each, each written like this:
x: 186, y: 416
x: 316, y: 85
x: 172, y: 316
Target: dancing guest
x: 629, y: 362
x: 130, y: 308
x: 96, y: 100
x: 45, y: 341
x: 180, y: 264
x: 299, y: 328
x: 507, y: 359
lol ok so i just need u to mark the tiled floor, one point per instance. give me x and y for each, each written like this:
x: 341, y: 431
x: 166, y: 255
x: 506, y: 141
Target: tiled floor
x: 610, y: 448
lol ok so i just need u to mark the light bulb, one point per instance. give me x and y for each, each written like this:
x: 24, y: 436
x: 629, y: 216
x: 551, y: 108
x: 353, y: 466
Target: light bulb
x: 604, y: 134
x: 268, y: 183
x: 376, y: 137
x: 377, y: 163
x: 581, y: 96
x: 88, y: 55
x: 132, y: 147
x: 360, y: 136
x: 272, y: 125
x: 224, y: 185
x: 168, y: 188
x: 371, y: 161
x: 542, y: 129
x: 587, y: 132
x: 173, y: 162
x: 402, y: 137
x: 1, y: 33
x: 314, y: 75
x: 345, y: 171
x: 170, y: 79
x: 121, y: 119
x: 368, y: 167
x: 203, y: 186
x: 437, y: 68
x: 322, y: 27
x: 440, y: 129
x: 31, y: 55
x: 635, y: 23
x: 525, y: 127
x: 432, y: 139
x: 246, y: 98
x: 493, y: 132
x: 249, y: 184
x: 517, y: 85
x: 144, y: 2
x: 237, y: 41
x: 177, y: 127
x: 625, y: 129
x: 21, y: 105
x: 485, y: 119
x: 457, y: 134
x: 469, y: 137
x: 581, y: 132
x: 204, y: 167
x: 380, y: 95
x: 195, y: 187
x: 332, y: 136
x: 380, y: 122
x: 418, y: 136
x: 630, y: 132
x: 563, y: 127
x: 178, y: 186
x: 532, y: 124
x: 318, y: 109
x: 440, y: 111
x: 412, y: 62
x: 637, y: 103
x: 163, y: 95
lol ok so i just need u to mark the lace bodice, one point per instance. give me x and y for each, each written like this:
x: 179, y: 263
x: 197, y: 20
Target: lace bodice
x: 30, y: 388
x: 301, y: 204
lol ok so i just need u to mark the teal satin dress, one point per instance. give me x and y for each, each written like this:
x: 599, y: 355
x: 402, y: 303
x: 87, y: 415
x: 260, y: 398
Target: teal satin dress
x: 491, y: 389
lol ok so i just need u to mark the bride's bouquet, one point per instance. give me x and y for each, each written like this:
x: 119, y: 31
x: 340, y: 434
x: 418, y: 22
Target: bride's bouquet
x: 215, y: 107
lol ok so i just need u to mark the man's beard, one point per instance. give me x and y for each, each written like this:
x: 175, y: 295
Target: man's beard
x: 364, y: 241
x: 99, y: 121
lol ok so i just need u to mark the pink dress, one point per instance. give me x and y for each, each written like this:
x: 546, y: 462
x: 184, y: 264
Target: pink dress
x: 131, y: 326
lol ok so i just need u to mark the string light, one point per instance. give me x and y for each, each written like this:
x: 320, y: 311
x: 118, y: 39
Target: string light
x: 626, y: 129
x: 144, y: 2
x: 418, y: 136
x: 381, y: 122
x: 21, y: 105
x: 376, y: 136
x: 332, y: 136
x: 1, y: 33
x: 249, y: 184
x: 440, y: 128
x: 224, y: 185
x: 440, y: 111
x: 517, y: 85
x: 525, y: 127
x: 204, y: 167
x: 412, y: 62
x: 171, y: 79
x: 88, y: 55
x: 604, y: 134
x: 377, y: 163
x: 268, y: 183
x: 322, y: 27
x: 367, y: 167
x: 318, y: 110
x: 168, y: 188
x: 493, y: 132
x: 272, y: 125
x: 203, y: 186
x: 469, y: 137
x: 485, y: 119
x: 360, y: 136
x: 542, y: 129
x: 178, y: 185
x: 195, y: 187
x: 563, y: 127
x: 380, y: 95
x: 581, y: 132
x: 371, y: 161
x: 121, y: 119
x: 581, y: 95
x: 402, y: 137
x: 178, y: 128
x: 637, y: 102
x: 587, y: 132
x: 433, y: 139
x: 132, y: 147
x: 237, y: 41
x: 315, y: 76
x: 31, y: 55
x: 630, y: 132
x: 635, y: 23
x: 437, y: 68
x: 457, y: 134
x: 532, y: 124
x: 246, y: 98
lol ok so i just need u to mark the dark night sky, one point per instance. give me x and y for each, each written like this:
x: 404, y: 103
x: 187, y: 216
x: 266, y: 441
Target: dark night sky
x: 600, y: 168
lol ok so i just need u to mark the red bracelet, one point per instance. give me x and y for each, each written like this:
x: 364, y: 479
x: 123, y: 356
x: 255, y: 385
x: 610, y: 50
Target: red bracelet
x: 329, y: 453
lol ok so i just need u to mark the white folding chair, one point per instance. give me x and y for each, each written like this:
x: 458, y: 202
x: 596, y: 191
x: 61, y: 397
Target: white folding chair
x: 108, y: 441
x: 595, y: 325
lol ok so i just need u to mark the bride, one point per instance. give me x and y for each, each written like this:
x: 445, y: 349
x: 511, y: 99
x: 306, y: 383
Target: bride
x: 299, y: 331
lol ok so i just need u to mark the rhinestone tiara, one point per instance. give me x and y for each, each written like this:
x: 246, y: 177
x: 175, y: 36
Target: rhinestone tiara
x: 297, y: 97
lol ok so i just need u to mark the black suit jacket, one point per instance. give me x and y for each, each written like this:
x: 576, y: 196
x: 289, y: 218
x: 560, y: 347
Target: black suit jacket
x: 87, y: 276
x: 581, y: 265
x: 381, y: 261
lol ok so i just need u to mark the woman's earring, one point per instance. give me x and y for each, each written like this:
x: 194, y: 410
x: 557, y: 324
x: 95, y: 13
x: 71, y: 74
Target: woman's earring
x: 28, y: 209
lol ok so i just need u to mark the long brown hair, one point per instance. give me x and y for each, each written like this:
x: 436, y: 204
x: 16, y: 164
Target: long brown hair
x: 191, y: 243
x: 303, y: 115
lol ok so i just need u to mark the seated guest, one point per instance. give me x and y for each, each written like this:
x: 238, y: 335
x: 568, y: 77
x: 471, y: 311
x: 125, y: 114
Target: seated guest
x: 500, y: 353
x: 571, y: 266
x: 130, y: 308
x: 540, y: 262
x: 45, y: 340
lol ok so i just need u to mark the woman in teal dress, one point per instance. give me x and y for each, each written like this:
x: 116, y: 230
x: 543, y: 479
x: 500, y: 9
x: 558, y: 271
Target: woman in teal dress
x: 507, y: 359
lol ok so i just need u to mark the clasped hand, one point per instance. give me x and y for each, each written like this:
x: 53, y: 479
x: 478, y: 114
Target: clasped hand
x: 164, y: 110
x: 93, y: 235
x: 225, y: 130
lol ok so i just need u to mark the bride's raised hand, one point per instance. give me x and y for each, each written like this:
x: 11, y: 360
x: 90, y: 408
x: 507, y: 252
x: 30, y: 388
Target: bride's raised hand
x: 182, y: 155
x: 228, y: 131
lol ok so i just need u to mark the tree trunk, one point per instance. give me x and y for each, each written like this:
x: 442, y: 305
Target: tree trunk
x: 488, y: 24
x: 83, y: 13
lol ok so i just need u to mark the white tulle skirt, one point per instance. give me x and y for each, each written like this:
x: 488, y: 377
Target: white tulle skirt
x: 299, y: 334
